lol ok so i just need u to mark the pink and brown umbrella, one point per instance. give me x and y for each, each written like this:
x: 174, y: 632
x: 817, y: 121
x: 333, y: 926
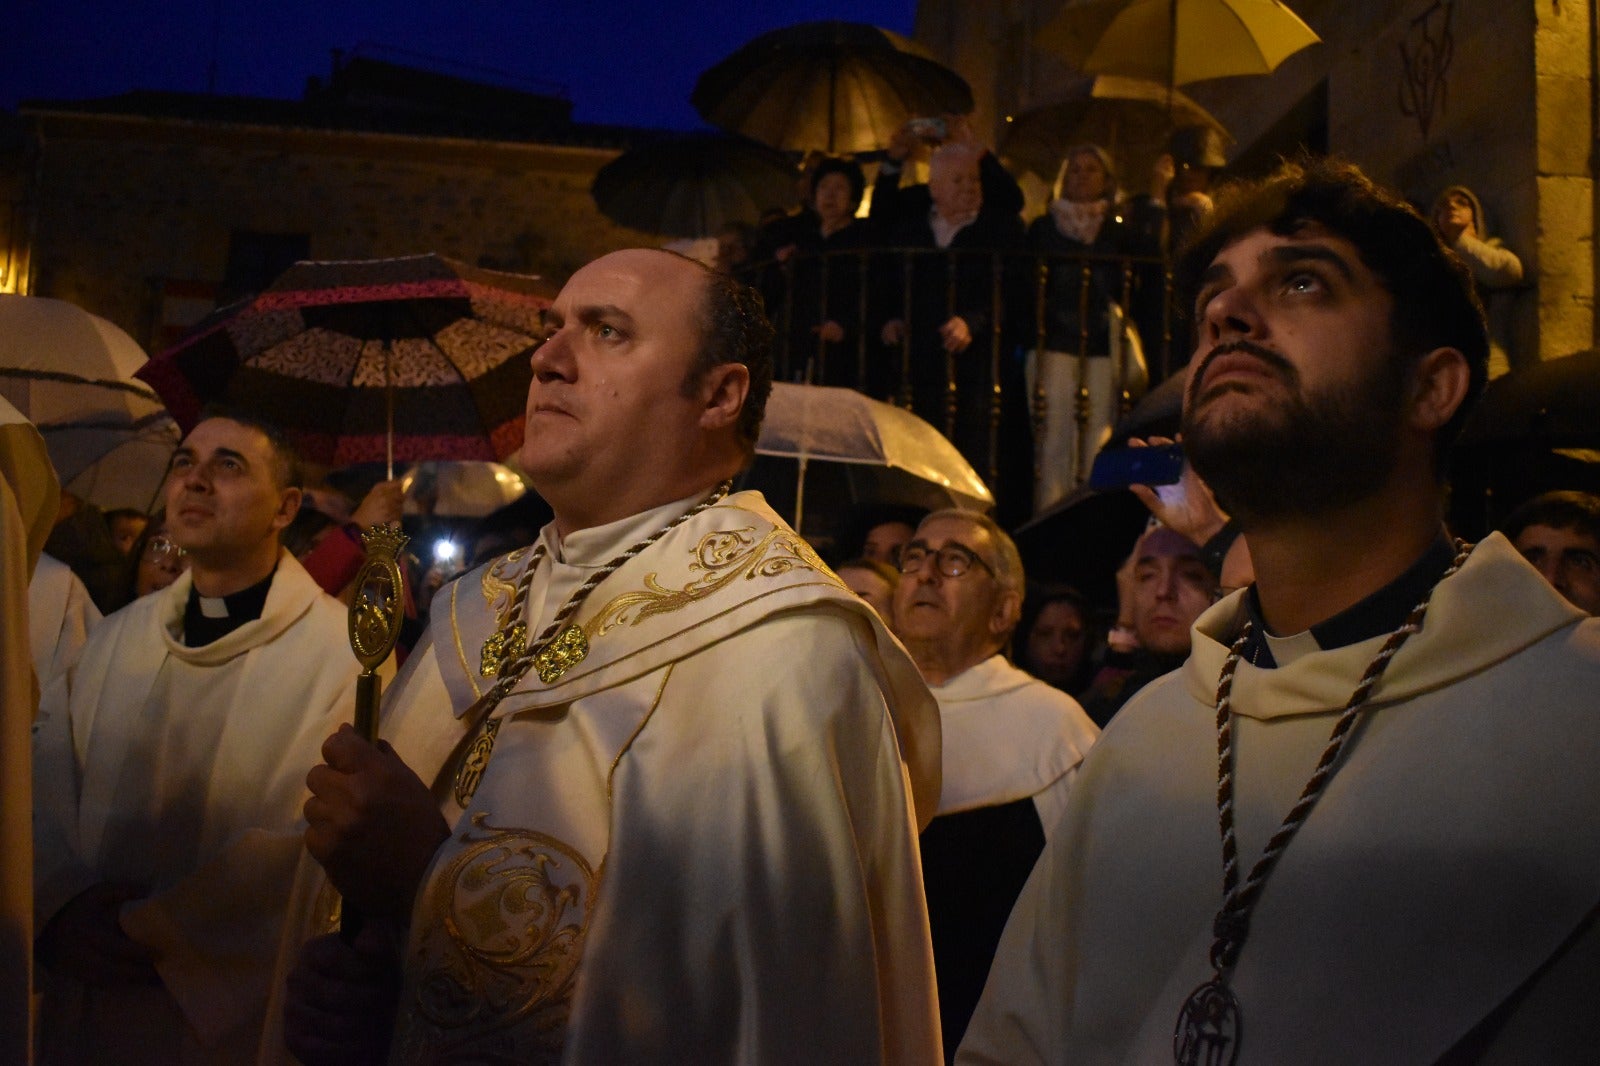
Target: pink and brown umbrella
x: 412, y: 358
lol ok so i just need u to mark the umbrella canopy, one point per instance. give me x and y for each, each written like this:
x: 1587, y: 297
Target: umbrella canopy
x: 70, y: 373
x: 862, y: 450
x: 1082, y: 540
x: 413, y: 358
x: 460, y: 489
x: 131, y: 473
x: 1128, y: 117
x: 1176, y: 42
x: 831, y: 86
x: 694, y: 185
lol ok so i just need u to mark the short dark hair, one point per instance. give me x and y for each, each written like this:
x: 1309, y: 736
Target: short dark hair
x: 849, y: 169
x: 735, y: 329
x: 286, y: 468
x: 1435, y: 302
x: 1578, y: 511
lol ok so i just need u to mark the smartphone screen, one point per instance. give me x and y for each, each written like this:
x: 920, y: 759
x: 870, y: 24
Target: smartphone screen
x: 1117, y: 468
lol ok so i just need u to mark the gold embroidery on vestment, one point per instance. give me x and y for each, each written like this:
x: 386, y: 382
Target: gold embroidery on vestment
x: 499, y: 583
x: 722, y: 557
x: 513, y: 907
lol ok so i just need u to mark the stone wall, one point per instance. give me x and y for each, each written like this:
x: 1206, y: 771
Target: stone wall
x: 122, y: 208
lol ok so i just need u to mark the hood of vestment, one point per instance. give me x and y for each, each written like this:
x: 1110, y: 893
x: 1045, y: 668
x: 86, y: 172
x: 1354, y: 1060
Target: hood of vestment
x: 1484, y: 613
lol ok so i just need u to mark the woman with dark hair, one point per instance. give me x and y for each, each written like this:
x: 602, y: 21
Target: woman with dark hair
x: 1086, y: 342
x: 155, y: 561
x: 1055, y: 636
x: 814, y: 294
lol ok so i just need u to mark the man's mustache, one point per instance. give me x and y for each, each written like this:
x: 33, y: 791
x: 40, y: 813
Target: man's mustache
x: 1266, y: 355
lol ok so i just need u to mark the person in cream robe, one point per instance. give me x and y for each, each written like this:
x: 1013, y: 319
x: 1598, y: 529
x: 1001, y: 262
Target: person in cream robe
x: 170, y: 776
x: 1438, y: 894
x: 694, y: 836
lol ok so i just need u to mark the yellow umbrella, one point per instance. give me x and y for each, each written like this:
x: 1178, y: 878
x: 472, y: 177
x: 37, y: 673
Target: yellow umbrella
x: 1176, y: 41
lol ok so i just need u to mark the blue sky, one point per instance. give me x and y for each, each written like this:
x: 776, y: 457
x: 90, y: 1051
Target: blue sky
x: 619, y: 61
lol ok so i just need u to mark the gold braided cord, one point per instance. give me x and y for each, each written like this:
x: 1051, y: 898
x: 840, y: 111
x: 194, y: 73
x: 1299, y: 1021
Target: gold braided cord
x: 512, y: 670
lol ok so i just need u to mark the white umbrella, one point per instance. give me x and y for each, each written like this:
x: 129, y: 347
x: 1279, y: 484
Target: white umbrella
x: 889, y: 454
x: 131, y: 473
x: 460, y: 488
x: 71, y: 374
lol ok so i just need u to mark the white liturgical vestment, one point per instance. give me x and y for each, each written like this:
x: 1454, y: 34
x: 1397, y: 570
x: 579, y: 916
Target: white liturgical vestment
x: 183, y: 769
x: 1441, y: 897
x: 1006, y: 736
x: 695, y: 842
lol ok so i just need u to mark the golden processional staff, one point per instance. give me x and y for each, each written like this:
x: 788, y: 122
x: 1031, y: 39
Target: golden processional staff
x: 376, y: 613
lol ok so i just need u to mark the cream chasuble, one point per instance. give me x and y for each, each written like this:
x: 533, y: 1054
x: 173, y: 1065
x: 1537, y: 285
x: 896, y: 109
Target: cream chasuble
x: 1008, y: 735
x: 60, y: 615
x: 1455, y: 852
x: 28, y: 500
x: 696, y: 844
x: 184, y: 769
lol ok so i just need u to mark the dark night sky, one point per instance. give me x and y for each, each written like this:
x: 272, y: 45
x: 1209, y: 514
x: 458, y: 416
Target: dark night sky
x: 621, y: 61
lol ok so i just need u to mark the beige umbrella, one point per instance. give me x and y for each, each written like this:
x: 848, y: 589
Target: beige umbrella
x: 1129, y: 117
x: 885, y: 454
x: 71, y: 374
x: 1176, y: 42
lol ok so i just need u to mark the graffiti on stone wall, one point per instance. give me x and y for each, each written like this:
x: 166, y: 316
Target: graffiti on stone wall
x: 1425, y: 54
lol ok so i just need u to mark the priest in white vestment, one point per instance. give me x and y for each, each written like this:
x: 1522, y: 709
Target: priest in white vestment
x: 1359, y: 824
x: 1011, y: 744
x: 171, y: 762
x: 677, y: 767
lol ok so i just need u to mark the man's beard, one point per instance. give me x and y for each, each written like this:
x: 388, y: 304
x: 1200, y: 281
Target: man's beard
x: 1299, y: 457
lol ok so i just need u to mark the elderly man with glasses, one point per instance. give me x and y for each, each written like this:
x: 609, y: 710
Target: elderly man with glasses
x: 1011, y: 744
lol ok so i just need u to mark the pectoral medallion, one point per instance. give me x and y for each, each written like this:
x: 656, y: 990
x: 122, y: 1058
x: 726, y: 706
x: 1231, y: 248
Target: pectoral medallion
x: 475, y: 762
x: 561, y: 654
x: 1208, y: 1027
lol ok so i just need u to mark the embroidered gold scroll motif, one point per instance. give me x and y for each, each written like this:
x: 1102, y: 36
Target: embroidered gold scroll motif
x: 721, y: 558
x: 509, y: 913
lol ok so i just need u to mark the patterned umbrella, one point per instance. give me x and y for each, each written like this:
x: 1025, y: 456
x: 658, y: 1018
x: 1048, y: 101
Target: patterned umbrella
x: 413, y: 358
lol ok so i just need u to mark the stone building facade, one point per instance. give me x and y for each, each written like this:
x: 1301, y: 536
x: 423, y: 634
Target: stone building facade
x: 1495, y: 95
x: 150, y: 209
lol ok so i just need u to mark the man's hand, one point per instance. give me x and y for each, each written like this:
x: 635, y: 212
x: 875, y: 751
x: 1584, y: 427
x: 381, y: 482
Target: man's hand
x: 381, y: 505
x: 373, y: 825
x: 894, y: 331
x: 1187, y: 508
x: 902, y: 142
x: 955, y: 334
x: 342, y: 999
x: 85, y: 940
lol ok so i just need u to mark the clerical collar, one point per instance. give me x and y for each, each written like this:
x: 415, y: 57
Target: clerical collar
x: 209, y: 618
x: 1380, y: 613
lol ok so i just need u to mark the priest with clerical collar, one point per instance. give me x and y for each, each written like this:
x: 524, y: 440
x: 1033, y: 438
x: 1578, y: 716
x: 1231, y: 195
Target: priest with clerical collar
x: 170, y: 765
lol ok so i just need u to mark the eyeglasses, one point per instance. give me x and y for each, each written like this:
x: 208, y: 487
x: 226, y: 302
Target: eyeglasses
x: 163, y: 549
x: 952, y: 560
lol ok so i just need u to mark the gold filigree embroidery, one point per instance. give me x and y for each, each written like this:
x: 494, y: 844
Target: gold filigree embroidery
x: 499, y: 580
x: 561, y: 654
x: 513, y: 908
x: 722, y: 557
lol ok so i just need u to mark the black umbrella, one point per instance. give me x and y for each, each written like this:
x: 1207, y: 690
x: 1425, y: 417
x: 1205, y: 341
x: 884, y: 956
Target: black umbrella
x: 831, y: 86
x: 1082, y: 540
x: 694, y: 185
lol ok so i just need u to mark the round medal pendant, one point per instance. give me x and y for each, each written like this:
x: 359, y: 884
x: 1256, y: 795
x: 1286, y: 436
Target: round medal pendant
x: 1208, y: 1027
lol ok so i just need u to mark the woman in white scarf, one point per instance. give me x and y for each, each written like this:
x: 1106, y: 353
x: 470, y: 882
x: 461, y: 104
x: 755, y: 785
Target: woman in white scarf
x: 1084, y: 226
